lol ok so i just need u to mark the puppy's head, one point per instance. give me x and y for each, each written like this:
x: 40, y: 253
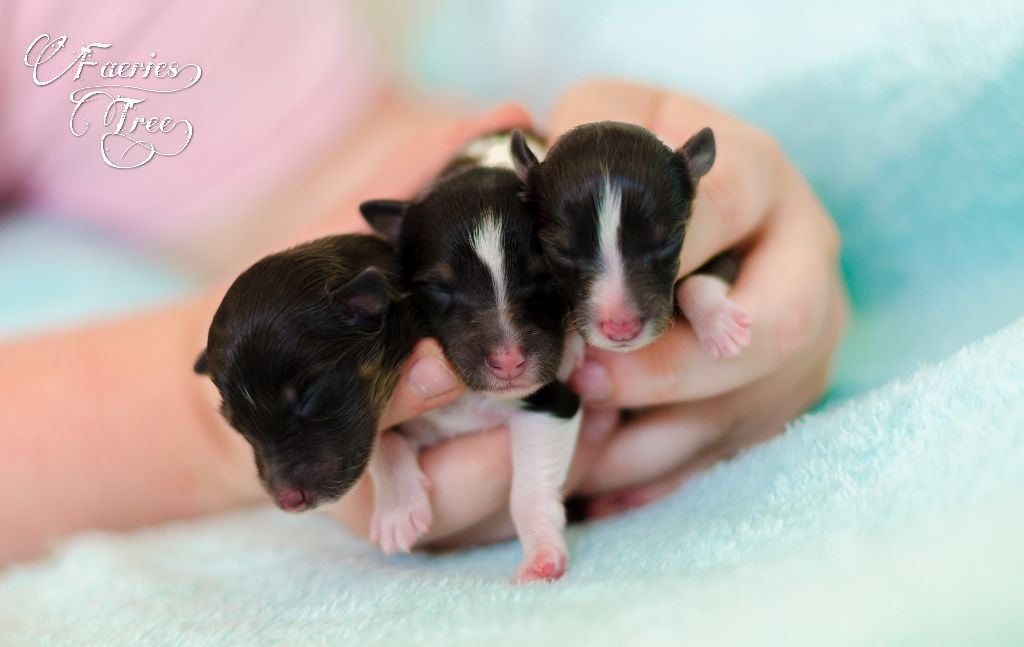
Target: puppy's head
x: 614, y: 203
x: 471, y: 255
x: 299, y: 352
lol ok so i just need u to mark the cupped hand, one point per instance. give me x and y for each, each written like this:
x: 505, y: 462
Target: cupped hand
x: 693, y: 409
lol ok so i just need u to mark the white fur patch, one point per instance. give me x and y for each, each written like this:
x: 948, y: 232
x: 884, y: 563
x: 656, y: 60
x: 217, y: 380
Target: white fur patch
x: 542, y: 447
x: 489, y: 247
x: 609, y: 291
x: 248, y: 396
x: 496, y: 150
x: 609, y: 221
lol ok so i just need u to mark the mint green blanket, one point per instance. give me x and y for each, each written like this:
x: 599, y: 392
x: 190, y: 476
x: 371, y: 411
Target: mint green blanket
x: 895, y: 518
x: 893, y: 515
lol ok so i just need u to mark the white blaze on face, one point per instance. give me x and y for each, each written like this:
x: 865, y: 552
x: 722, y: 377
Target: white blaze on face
x: 489, y: 247
x: 608, y: 296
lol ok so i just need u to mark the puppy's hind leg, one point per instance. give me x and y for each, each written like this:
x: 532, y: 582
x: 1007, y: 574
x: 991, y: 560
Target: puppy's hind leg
x: 542, y: 447
x: 401, y: 506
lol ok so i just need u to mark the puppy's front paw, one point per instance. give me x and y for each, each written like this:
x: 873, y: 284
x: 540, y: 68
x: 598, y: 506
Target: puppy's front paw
x: 543, y: 564
x: 398, y: 522
x: 722, y: 329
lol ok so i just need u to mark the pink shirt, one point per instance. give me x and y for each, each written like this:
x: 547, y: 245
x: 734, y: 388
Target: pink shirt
x: 279, y: 82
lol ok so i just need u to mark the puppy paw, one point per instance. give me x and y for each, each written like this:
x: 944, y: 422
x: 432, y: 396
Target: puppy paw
x: 723, y: 329
x: 400, y: 521
x: 544, y: 564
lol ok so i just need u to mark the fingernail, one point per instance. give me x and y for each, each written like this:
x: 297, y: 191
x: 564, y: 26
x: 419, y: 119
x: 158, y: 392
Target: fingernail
x: 429, y: 377
x: 592, y: 382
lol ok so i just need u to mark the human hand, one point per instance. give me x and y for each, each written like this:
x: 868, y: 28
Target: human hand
x: 697, y: 409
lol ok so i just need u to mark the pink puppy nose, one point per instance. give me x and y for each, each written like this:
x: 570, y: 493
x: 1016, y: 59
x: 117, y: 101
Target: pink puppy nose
x: 621, y: 329
x: 507, y: 363
x: 291, y: 500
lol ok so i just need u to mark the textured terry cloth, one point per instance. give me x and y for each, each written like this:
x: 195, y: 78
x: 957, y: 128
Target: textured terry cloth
x: 896, y: 518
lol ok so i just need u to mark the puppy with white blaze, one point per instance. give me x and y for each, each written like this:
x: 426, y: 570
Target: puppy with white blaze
x: 614, y: 203
x: 471, y: 258
x: 306, y: 349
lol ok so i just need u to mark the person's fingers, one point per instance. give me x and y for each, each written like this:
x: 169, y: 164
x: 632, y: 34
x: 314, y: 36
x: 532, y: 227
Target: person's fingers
x: 738, y: 195
x: 416, y: 164
x: 503, y: 117
x: 407, y: 154
x: 659, y: 443
x: 470, y: 478
x: 598, y: 423
x: 783, y: 286
x: 733, y: 199
x: 606, y: 505
x: 645, y: 459
x: 494, y: 528
x: 653, y: 444
x: 603, y: 100
x: 474, y: 529
x: 465, y: 513
x: 427, y: 381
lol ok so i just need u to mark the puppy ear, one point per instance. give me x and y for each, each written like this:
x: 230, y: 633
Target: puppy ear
x: 522, y: 157
x: 385, y: 216
x: 698, y: 153
x: 363, y: 301
x: 201, y: 367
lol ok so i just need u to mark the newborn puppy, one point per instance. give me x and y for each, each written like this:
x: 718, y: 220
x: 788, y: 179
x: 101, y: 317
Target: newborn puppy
x: 471, y: 256
x: 614, y: 204
x: 305, y: 350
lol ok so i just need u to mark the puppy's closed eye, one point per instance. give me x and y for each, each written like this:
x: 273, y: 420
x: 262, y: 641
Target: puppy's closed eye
x: 300, y: 402
x: 561, y: 257
x: 439, y: 295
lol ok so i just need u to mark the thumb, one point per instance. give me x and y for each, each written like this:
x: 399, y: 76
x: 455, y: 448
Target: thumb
x: 427, y: 382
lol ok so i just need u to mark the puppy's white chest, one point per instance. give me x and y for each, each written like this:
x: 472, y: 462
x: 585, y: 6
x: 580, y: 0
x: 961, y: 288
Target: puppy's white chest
x: 469, y: 414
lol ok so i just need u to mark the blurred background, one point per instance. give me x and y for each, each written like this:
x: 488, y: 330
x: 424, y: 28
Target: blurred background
x: 908, y: 119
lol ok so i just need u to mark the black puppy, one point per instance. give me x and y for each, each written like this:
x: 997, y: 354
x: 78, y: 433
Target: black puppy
x: 614, y: 203
x: 472, y: 259
x: 305, y: 350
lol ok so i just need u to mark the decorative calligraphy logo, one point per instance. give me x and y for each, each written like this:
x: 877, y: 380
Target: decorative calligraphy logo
x: 126, y: 133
